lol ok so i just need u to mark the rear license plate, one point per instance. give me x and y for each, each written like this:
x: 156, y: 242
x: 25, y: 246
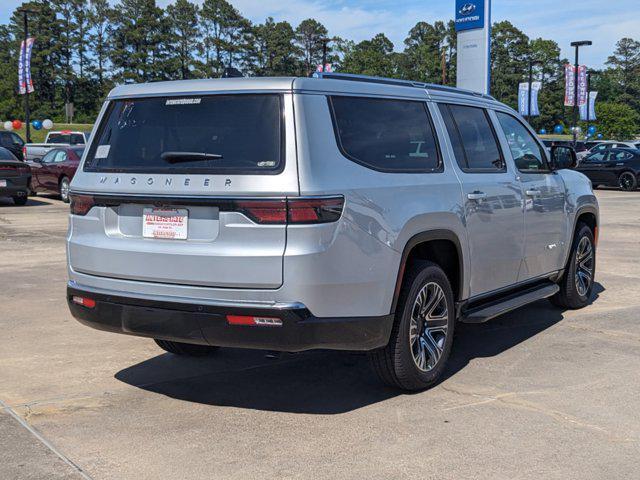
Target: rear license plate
x: 165, y: 223
x: 3, y: 183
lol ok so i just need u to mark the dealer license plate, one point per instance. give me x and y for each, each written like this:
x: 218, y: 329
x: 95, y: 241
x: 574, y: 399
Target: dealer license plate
x: 170, y: 224
x: 3, y: 183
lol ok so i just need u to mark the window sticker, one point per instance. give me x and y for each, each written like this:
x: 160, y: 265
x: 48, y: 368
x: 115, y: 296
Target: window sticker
x: 183, y: 101
x: 102, y: 151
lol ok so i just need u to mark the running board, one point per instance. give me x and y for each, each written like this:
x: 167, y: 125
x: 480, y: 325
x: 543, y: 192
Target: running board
x: 486, y: 312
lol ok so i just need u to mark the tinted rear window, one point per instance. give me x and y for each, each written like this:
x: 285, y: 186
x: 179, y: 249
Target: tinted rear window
x: 386, y: 135
x: 208, y: 134
x: 73, y: 139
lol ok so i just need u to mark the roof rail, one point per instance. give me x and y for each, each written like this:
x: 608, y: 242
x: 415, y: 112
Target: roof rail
x: 401, y: 83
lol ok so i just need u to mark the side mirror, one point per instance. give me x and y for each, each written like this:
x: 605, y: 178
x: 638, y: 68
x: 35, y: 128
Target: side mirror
x: 563, y: 157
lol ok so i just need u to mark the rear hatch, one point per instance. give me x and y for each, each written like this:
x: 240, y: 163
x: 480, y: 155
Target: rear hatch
x: 187, y: 190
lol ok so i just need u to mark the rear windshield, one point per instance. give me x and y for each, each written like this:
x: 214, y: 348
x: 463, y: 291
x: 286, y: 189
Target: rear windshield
x: 208, y: 134
x: 69, y: 139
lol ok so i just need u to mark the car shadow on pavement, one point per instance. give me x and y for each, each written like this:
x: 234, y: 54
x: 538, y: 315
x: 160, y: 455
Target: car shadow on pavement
x: 7, y: 202
x: 323, y: 382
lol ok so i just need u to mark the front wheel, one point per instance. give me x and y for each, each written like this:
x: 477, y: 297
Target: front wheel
x: 185, y: 349
x: 576, y: 285
x: 422, y: 334
x: 64, y: 189
x: 627, y: 181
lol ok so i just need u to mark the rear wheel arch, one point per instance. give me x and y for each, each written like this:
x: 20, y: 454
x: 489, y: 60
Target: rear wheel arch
x: 442, y: 247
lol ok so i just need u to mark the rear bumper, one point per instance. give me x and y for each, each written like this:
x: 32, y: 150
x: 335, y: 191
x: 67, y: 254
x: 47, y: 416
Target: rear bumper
x: 16, y: 186
x: 207, y: 324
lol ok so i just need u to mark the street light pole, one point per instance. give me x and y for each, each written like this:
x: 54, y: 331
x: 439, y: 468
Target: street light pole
x: 577, y: 45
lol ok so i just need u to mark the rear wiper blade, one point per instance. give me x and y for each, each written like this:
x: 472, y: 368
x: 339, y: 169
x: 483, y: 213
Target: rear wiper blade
x: 177, y: 157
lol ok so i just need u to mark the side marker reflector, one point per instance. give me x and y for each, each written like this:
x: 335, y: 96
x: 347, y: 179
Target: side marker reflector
x: 85, y: 302
x: 254, y: 321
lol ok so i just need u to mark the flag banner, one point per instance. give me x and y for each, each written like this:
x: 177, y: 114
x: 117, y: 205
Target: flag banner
x: 25, y: 82
x: 27, y: 66
x: 569, y: 85
x: 523, y: 98
x: 582, y: 85
x: 22, y: 84
x: 589, y: 115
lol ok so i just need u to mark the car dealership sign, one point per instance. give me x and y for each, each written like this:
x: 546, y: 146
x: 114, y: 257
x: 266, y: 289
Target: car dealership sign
x: 473, y: 24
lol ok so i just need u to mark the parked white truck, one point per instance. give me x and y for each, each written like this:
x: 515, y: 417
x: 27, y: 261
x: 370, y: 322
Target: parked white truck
x: 35, y: 151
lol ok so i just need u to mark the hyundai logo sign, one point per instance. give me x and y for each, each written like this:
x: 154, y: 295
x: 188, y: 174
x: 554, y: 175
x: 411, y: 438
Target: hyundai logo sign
x: 467, y: 9
x: 470, y: 14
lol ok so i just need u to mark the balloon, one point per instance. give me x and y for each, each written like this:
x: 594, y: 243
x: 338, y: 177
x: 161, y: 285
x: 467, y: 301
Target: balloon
x: 8, y: 125
x: 558, y: 129
x: 591, y: 130
x: 543, y: 131
x: 47, y: 124
x: 600, y: 135
x: 37, y: 124
x: 17, y: 124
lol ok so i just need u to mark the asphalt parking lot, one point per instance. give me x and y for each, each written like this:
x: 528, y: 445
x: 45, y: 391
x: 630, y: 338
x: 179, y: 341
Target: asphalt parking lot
x: 540, y: 393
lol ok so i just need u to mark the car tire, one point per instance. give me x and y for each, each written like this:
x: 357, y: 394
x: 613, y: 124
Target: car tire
x: 185, y: 349
x: 64, y: 189
x: 422, y: 333
x: 627, y: 181
x: 20, y: 201
x: 576, y: 285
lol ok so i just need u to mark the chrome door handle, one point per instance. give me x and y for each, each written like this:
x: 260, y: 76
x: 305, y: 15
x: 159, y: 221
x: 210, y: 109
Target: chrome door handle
x: 533, y: 193
x: 476, y: 196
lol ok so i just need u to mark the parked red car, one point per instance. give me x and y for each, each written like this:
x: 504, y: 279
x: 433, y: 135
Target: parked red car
x: 53, y: 172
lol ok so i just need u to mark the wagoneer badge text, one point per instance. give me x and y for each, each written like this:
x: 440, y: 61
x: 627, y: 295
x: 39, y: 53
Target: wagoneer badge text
x: 168, y: 182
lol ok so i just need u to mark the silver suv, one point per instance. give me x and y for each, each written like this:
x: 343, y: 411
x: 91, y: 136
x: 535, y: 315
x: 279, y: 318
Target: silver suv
x: 337, y: 212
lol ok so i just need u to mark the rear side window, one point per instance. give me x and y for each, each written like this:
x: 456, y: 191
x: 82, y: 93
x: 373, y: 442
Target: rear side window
x: 473, y: 139
x: 393, y: 136
x: 239, y: 134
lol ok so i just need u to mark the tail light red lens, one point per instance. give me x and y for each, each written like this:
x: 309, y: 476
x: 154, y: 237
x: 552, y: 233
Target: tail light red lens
x: 314, y: 210
x: 81, y: 204
x: 292, y: 210
x: 263, y: 211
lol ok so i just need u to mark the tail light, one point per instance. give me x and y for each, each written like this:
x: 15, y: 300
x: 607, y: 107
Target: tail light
x: 314, y: 210
x: 24, y: 152
x: 263, y: 211
x: 81, y: 204
x: 292, y: 211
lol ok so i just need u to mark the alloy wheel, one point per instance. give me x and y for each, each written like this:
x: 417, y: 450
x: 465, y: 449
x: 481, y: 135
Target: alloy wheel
x: 428, y: 327
x: 64, y: 189
x: 627, y: 181
x: 584, y: 266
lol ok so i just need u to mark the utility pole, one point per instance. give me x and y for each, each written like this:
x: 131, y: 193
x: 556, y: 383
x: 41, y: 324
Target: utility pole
x: 27, y: 112
x: 577, y: 45
x: 443, y: 65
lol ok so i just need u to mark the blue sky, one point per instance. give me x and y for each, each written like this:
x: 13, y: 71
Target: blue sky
x: 602, y: 21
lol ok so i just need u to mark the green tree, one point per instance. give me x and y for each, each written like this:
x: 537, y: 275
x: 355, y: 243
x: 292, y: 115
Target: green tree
x: 373, y: 57
x: 310, y: 36
x: 183, y: 17
x: 428, y: 53
x: 274, y: 52
x: 510, y: 53
x: 625, y: 66
x: 618, y: 121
